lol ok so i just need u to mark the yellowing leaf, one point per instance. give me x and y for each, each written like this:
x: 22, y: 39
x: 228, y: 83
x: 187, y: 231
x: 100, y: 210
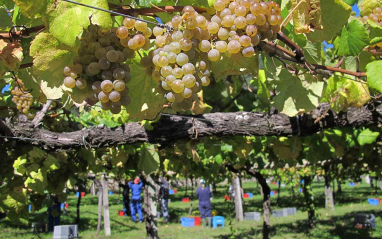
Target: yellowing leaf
x: 307, y: 16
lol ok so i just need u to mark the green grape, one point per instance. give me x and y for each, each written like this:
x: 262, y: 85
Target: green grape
x: 122, y: 32
x: 177, y: 72
x: 221, y: 46
x: 170, y: 79
x: 140, y: 26
x: 196, y: 87
x: 170, y: 97
x: 202, y: 64
x: 204, y: 46
x: 191, y: 23
x: 197, y: 33
x: 114, y: 96
x: 107, y: 86
x: 103, y: 97
x: 188, y: 34
x: 139, y: 41
x: 165, y: 71
x: 107, y: 75
x: 129, y: 23
x: 119, y: 74
x: 104, y: 41
x: 219, y: 5
x: 119, y: 85
x: 188, y: 68
x: 245, y: 40
x: 223, y: 33
x: 185, y: 44
x: 178, y: 97
x: 93, y: 69
x: 69, y: 82
x: 233, y: 47
x: 96, y: 86
x: 264, y: 8
x: 146, y: 62
x: 127, y: 77
x: 248, y: 52
x: 67, y: 70
x: 182, y: 59
x: 188, y: 81
x: 251, y: 30
x: 216, y: 19
x: 147, y: 32
x: 115, y: 107
x: 155, y: 60
x: 205, y: 80
x: 81, y: 83
x: 125, y: 99
x: 121, y: 57
x: 232, y: 6
x: 187, y: 93
x: 158, y: 31
x: 160, y: 40
x: 129, y: 53
x: 255, y: 9
x: 201, y: 20
x: 256, y: 39
x: 156, y: 75
x: 176, y: 20
x: 213, y: 55
x: 176, y: 36
x: 240, y: 11
x: 177, y: 86
x: 225, y: 12
x: 104, y: 64
x: 175, y: 47
x: 246, y: 3
x: 250, y: 19
x: 162, y: 61
x: 112, y: 56
x: 240, y: 22
x: 171, y: 57
x: 165, y: 86
x: 261, y: 19
x: 228, y: 21
x: 213, y: 27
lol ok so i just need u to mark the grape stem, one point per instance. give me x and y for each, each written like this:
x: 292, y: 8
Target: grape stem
x: 40, y: 115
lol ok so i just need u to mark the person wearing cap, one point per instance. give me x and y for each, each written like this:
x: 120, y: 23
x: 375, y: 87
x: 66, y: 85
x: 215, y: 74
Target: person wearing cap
x: 163, y: 196
x: 126, y: 196
x: 136, y: 203
x: 204, y: 194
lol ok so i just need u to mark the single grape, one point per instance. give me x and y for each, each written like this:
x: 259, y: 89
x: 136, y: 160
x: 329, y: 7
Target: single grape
x: 240, y: 22
x: 119, y: 74
x: 189, y: 80
x: 245, y: 40
x: 221, y: 46
x: 182, y: 59
x: 177, y: 72
x: 170, y: 79
x: 177, y: 86
x: 96, y: 86
x: 213, y: 27
x: 115, y: 107
x: 228, y: 21
x: 107, y: 75
x: 125, y: 100
x: 114, y: 96
x: 157, y: 31
x: 240, y: 11
x: 233, y: 46
x: 223, y: 33
x: 165, y: 71
x: 81, y: 83
x: 112, y: 56
x: 106, y: 105
x: 107, y: 86
x: 69, y: 82
x: 205, y: 80
x: 165, y: 86
x: 103, y: 97
x: 248, y: 52
x: 170, y: 97
x: 122, y: 32
x: 188, y: 68
x: 104, y: 64
x: 119, y: 85
x: 129, y: 23
x: 204, y: 46
x: 187, y: 93
x: 213, y: 55
x: 219, y: 5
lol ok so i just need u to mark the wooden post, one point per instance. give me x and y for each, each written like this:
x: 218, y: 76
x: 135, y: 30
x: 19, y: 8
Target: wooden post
x: 238, y: 200
x: 329, y: 201
x: 150, y: 200
x: 105, y: 199
x: 99, y: 207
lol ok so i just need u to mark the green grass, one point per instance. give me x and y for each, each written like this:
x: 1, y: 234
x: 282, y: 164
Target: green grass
x: 329, y: 224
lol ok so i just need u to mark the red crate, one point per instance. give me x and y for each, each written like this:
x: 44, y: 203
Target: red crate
x: 121, y: 213
x: 197, y: 221
x: 185, y: 200
x: 246, y: 195
x: 66, y: 205
x: 174, y: 190
x: 82, y: 194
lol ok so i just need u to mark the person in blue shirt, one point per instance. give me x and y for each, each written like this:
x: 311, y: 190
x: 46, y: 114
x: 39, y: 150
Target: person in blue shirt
x: 204, y: 195
x: 163, y: 196
x: 136, y: 203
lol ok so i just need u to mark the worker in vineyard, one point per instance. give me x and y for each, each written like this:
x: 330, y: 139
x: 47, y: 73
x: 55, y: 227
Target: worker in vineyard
x: 126, y: 196
x: 163, y: 196
x: 204, y: 196
x: 136, y: 202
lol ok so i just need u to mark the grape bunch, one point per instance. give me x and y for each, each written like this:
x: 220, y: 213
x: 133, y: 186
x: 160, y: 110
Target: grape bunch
x: 23, y: 100
x: 375, y: 16
x: 100, y: 66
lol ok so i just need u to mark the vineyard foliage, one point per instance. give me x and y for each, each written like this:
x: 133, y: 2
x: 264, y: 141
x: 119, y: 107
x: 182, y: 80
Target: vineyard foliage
x: 97, y: 68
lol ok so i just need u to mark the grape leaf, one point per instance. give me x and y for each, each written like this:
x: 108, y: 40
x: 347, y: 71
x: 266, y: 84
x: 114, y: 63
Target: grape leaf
x: 235, y: 64
x: 36, y: 154
x: 17, y: 200
x: 367, y: 137
x: 335, y: 14
x: 11, y: 55
x: 313, y: 53
x: 5, y: 19
x: 80, y: 18
x: 18, y: 165
x: 50, y: 58
x: 374, y: 77
x: 375, y: 33
x: 307, y: 16
x: 51, y: 163
x: 146, y: 102
x: 33, y: 8
x: 37, y: 181
x: 287, y: 148
x: 368, y: 6
x: 149, y: 160
x: 262, y: 90
x: 294, y: 97
x: 350, y: 2
x: 19, y: 19
x: 31, y: 83
x: 353, y: 40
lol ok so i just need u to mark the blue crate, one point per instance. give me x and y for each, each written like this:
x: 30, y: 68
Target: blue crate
x: 111, y: 192
x: 62, y: 206
x: 30, y: 208
x: 187, y: 222
x: 171, y: 192
x: 250, y: 195
x: 374, y: 201
x: 273, y: 193
x: 351, y: 184
x: 300, y: 190
x: 217, y: 221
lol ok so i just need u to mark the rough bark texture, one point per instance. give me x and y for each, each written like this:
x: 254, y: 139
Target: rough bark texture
x: 150, y: 199
x: 238, y: 201
x: 171, y: 127
x: 309, y: 200
x: 99, y: 205
x: 266, y: 204
x: 329, y: 201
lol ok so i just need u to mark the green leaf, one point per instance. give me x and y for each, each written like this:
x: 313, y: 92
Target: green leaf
x: 307, y: 16
x: 37, y: 181
x: 9, y: 4
x: 236, y: 64
x: 149, y: 160
x: 335, y: 14
x: 33, y: 8
x: 353, y: 40
x: 375, y: 33
x: 51, y: 163
x: 19, y: 19
x: 5, y: 19
x: 146, y: 103
x: 367, y: 137
x: 350, y: 2
x: 287, y: 148
x: 17, y: 200
x: 50, y: 58
x: 313, y: 53
x: 30, y: 82
x: 374, y: 75
x: 36, y: 154
x: 18, y: 165
x: 218, y: 159
x: 294, y: 97
x: 262, y: 90
x: 74, y: 19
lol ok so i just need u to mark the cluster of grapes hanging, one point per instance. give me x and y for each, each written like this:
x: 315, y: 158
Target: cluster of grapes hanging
x: 180, y: 62
x: 22, y: 99
x: 375, y: 16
